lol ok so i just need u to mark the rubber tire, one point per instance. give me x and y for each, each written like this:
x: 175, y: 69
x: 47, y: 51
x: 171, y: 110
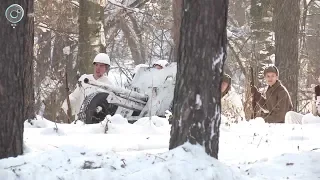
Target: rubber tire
x: 88, y: 112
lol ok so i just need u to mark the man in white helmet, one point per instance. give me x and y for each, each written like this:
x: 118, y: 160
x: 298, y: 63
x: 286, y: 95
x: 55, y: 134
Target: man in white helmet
x: 160, y: 64
x: 101, y: 68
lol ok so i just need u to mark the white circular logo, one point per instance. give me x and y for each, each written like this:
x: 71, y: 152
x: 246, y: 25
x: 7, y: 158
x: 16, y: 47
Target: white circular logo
x: 14, y: 13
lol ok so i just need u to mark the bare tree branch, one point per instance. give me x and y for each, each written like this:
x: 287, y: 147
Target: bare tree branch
x: 238, y: 59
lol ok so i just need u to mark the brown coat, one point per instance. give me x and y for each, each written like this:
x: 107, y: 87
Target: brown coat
x: 277, y: 102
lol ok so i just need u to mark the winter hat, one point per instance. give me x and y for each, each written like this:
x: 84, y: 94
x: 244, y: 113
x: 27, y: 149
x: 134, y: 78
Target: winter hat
x: 226, y: 78
x: 162, y: 63
x: 271, y: 68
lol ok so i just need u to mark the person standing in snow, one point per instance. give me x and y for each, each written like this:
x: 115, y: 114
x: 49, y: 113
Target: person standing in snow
x: 229, y: 106
x: 101, y: 68
x: 277, y: 101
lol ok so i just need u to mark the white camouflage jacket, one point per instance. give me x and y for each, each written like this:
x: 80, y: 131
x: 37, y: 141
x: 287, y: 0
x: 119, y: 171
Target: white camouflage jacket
x: 232, y: 106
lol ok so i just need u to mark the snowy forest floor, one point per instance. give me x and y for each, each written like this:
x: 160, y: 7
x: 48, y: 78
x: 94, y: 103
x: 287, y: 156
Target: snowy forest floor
x: 248, y: 150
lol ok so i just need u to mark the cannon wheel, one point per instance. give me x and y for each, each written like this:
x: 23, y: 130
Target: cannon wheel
x: 95, y: 108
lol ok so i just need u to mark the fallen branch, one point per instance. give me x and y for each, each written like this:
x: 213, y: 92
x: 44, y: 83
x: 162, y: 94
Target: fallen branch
x: 238, y: 59
x: 303, y: 107
x: 314, y: 149
x: 157, y: 157
x: 128, y: 8
x: 16, y: 166
x: 124, y: 163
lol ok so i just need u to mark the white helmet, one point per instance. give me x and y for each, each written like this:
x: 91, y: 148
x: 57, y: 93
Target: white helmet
x: 102, y: 58
x: 162, y: 63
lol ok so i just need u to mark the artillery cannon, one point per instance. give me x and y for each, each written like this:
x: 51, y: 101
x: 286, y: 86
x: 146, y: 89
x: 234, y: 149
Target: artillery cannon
x: 150, y: 93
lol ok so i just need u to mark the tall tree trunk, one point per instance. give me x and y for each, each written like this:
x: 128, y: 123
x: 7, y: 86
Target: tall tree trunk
x: 261, y: 27
x: 42, y: 58
x: 201, y: 56
x: 313, y: 42
x: 176, y: 9
x: 90, y: 35
x: 132, y: 43
x: 240, y: 12
x: 286, y: 27
x: 139, y: 34
x: 16, y: 83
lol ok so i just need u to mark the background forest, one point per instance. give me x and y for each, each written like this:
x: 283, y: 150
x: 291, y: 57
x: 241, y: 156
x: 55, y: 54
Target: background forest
x: 132, y: 32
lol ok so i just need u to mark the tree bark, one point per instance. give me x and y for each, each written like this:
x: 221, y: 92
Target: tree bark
x: 286, y: 27
x: 139, y: 34
x: 16, y: 83
x: 261, y: 27
x: 90, y: 25
x: 132, y: 43
x: 200, y: 58
x: 176, y: 9
x: 240, y: 12
x: 313, y: 42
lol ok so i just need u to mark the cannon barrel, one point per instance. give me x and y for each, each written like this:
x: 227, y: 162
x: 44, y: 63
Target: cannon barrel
x: 115, y: 90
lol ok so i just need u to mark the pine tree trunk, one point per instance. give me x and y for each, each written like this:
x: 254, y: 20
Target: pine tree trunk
x: 132, y: 43
x: 201, y: 56
x: 90, y: 44
x: 240, y: 12
x: 286, y: 26
x: 261, y: 27
x: 176, y: 10
x: 16, y: 83
x: 313, y: 42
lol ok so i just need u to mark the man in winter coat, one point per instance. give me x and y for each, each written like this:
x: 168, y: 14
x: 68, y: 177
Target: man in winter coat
x: 101, y: 68
x: 277, y: 101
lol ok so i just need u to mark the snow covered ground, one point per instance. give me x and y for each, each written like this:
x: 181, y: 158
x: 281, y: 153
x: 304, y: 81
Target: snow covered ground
x: 248, y: 150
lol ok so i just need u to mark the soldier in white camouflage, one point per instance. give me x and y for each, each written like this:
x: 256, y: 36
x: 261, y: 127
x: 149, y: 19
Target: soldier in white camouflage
x: 231, y: 104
